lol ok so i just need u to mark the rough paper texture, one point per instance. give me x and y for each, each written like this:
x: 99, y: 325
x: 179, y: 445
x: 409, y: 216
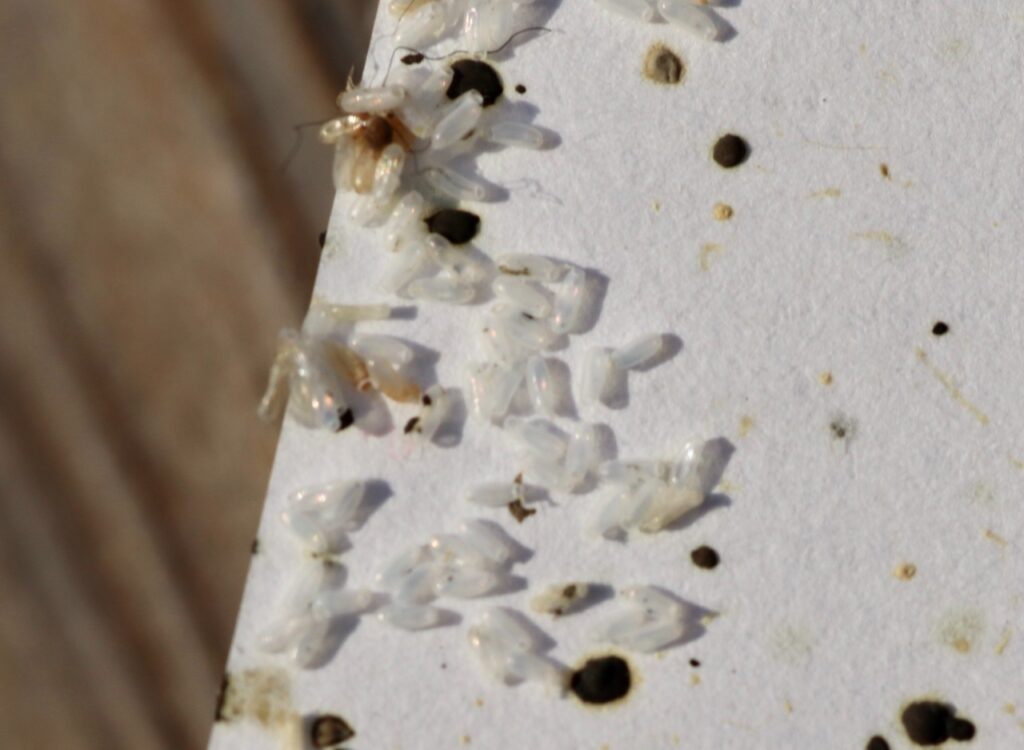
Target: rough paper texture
x: 806, y: 316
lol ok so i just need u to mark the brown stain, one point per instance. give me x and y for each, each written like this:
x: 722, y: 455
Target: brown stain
x: 826, y: 378
x: 722, y: 212
x: 262, y: 696
x: 830, y: 192
x: 706, y: 252
x: 961, y: 630
x: 519, y: 511
x: 694, y: 679
x: 1010, y: 709
x: 746, y: 425
x: 663, y: 66
x: 788, y: 707
x: 466, y: 739
x: 884, y: 169
x: 905, y: 571
x: 1017, y: 463
x: 479, y: 702
x: 1004, y: 641
x: 995, y: 538
x: 656, y: 206
x: 895, y: 246
x: 609, y: 705
x: 951, y: 387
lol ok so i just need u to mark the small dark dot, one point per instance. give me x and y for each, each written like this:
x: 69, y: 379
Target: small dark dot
x: 877, y: 743
x: 940, y: 329
x: 413, y: 58
x: 705, y: 557
x: 455, y: 225
x: 520, y: 88
x: 962, y: 730
x: 884, y: 169
x: 427, y: 400
x: 222, y: 696
x: 255, y: 547
x: 927, y: 722
x: 730, y: 151
x: 470, y: 75
x: 347, y: 419
x: 601, y: 680
x: 329, y: 730
x: 411, y: 425
x: 322, y: 238
x: 694, y: 662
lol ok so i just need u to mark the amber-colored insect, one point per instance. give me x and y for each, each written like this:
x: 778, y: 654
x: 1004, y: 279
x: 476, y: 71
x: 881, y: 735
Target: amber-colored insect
x: 359, y: 139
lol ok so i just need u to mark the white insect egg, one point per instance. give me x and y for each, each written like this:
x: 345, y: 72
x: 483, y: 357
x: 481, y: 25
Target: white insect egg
x: 531, y: 333
x: 317, y: 514
x: 697, y: 19
x: 489, y: 540
x: 582, y: 456
x: 422, y: 26
x: 446, y: 288
x: 570, y: 297
x: 467, y: 583
x: 540, y: 385
x: 458, y: 121
x: 524, y: 295
x: 455, y: 185
x: 508, y: 652
x: 638, y: 352
x: 410, y: 617
x: 516, y: 134
x: 435, y: 409
x: 388, y: 175
x: 342, y: 603
x: 402, y: 565
x: 651, y: 621
x: 371, y: 100
x: 640, y: 10
x: 492, y: 389
x: 538, y: 437
x: 560, y: 599
x: 406, y: 221
x: 531, y: 266
x: 595, y: 376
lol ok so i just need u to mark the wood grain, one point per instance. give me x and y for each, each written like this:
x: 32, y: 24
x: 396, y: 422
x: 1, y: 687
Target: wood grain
x: 153, y: 242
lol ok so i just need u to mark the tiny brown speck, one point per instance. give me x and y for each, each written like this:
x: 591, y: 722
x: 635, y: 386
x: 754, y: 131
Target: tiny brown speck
x: 519, y: 511
x: 940, y: 328
x: 905, y: 571
x: 662, y: 65
x: 884, y: 169
x: 520, y: 88
x: 722, y: 212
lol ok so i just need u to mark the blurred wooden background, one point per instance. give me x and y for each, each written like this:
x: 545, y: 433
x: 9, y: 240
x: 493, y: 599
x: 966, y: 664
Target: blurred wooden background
x: 151, y: 245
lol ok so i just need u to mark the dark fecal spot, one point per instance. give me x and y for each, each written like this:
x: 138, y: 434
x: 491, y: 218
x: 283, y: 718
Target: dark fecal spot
x: 427, y: 400
x: 378, y: 133
x: 842, y: 428
x: 322, y: 238
x: 940, y: 329
x: 455, y: 225
x: 519, y: 511
x: 694, y: 662
x: 569, y: 592
x: 222, y: 694
x: 329, y: 730
x: 877, y: 743
x: 730, y: 151
x: 413, y: 58
x: 255, y: 547
x: 884, y: 169
x: 962, y: 730
x: 662, y: 65
x: 932, y: 723
x: 411, y: 425
x: 347, y: 419
x: 704, y: 557
x: 601, y: 680
x: 520, y: 88
x: 475, y: 75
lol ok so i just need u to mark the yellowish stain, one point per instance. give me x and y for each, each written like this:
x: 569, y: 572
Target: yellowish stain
x: 1004, y: 641
x: 788, y: 707
x: 1009, y: 708
x: 466, y: 739
x: 995, y: 538
x: 1017, y: 463
x: 895, y: 246
x: 831, y: 192
x: 746, y: 425
x: 950, y: 386
x: 722, y: 211
x: 479, y: 702
x: 825, y: 378
x: 905, y: 571
x: 705, y: 254
x: 961, y: 630
x: 791, y: 644
x: 656, y: 206
x: 694, y: 679
x: 263, y: 696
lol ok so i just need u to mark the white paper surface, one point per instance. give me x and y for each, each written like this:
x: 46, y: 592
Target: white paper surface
x: 826, y: 267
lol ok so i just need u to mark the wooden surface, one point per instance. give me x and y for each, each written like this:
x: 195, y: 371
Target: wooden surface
x: 151, y: 245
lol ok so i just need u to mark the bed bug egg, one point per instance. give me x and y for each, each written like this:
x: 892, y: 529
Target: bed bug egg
x: 639, y: 352
x: 639, y: 10
x: 459, y: 121
x: 560, y: 599
x: 410, y: 617
x: 531, y: 266
x: 697, y: 19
